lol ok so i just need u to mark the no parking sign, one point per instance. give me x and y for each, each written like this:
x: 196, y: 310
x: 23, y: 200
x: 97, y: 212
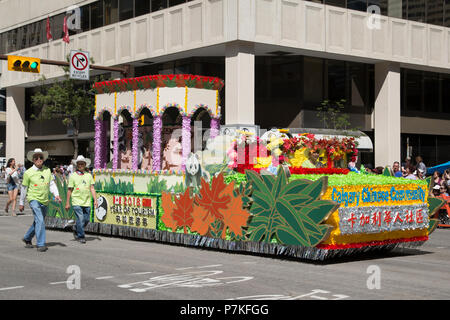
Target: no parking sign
x: 79, y: 65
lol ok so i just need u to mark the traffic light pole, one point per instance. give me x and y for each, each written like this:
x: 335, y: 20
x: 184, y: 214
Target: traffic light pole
x: 124, y: 71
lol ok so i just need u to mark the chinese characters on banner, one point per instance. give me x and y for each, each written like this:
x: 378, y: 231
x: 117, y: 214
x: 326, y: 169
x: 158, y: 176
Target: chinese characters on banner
x: 382, y: 218
x: 123, y: 210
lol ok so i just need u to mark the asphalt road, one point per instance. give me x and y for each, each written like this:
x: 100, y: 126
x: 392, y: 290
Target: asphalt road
x: 113, y: 268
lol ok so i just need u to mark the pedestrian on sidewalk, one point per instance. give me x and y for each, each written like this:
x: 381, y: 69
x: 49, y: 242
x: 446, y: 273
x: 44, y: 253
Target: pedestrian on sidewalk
x: 36, y: 185
x: 12, y: 184
x: 80, y: 189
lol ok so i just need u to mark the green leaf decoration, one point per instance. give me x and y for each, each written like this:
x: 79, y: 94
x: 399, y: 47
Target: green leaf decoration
x: 295, y: 187
x: 208, y: 84
x: 317, y: 188
x: 170, y: 83
x: 290, y: 212
x: 387, y: 172
x: 434, y: 204
x: 191, y: 83
x: 432, y: 225
x: 152, y: 84
x: 319, y: 210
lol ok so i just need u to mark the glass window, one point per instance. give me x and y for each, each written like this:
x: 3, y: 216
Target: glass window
x: 358, y: 84
x: 416, y: 10
x: 3, y: 100
x: 141, y: 7
x: 443, y: 149
x: 111, y: 11
x: 447, y: 14
x: 337, y: 3
x: 395, y: 8
x: 431, y: 92
x: 428, y: 149
x: 435, y: 12
x: 56, y: 24
x: 125, y: 9
x: 360, y: 5
x: 413, y: 89
x: 175, y: 2
x: 336, y: 80
x: 96, y: 14
x: 158, y: 5
x: 446, y: 93
x: 85, y: 18
x: 312, y: 82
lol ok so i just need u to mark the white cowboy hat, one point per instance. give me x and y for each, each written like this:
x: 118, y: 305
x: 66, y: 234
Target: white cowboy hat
x: 80, y: 158
x: 31, y: 154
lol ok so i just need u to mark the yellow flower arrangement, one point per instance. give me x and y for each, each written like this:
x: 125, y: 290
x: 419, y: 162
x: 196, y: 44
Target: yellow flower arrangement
x: 263, y: 162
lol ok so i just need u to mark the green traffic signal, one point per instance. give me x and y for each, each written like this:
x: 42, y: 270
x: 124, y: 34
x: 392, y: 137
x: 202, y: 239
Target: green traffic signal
x: 34, y: 65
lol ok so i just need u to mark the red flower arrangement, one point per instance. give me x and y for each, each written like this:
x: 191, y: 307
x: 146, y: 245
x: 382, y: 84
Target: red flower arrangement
x: 160, y: 80
x: 301, y: 170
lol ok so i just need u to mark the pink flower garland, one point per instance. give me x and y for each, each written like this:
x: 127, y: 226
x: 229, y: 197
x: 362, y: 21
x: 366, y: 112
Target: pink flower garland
x: 215, y: 127
x: 104, y: 143
x: 135, y: 151
x: 157, y: 130
x: 98, y: 144
x: 116, y: 144
x: 186, y: 140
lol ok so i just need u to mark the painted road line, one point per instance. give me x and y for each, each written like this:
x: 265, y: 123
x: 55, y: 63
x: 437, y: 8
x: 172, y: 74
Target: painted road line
x: 139, y: 273
x: 60, y: 282
x: 11, y: 288
x: 201, y: 267
x: 105, y: 277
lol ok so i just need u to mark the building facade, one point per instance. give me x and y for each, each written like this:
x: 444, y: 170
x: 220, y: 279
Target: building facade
x: 280, y: 60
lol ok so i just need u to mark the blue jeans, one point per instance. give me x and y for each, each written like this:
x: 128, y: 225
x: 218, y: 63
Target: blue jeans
x: 38, y: 226
x: 83, y: 216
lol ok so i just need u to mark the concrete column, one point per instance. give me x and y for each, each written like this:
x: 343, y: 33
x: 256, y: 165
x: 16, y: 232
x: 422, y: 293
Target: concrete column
x: 387, y: 114
x: 15, y: 124
x: 240, y: 83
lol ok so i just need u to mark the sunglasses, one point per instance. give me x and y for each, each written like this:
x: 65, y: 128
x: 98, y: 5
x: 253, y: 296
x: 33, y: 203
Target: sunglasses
x: 38, y: 157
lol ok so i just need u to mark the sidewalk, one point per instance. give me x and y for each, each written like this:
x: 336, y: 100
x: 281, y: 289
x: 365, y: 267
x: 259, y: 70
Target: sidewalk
x: 4, y: 198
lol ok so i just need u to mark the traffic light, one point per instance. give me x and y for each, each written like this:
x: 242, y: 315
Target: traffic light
x: 24, y: 64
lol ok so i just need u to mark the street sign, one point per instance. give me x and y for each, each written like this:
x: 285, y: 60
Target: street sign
x: 79, y: 65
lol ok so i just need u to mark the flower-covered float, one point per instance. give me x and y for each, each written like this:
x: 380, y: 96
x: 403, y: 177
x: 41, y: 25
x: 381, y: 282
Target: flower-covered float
x: 276, y: 194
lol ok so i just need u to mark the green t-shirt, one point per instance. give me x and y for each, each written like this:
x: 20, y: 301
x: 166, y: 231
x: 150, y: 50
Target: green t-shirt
x: 38, y: 183
x: 81, y: 184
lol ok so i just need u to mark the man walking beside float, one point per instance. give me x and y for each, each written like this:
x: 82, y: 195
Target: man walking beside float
x: 36, y: 185
x: 81, y: 186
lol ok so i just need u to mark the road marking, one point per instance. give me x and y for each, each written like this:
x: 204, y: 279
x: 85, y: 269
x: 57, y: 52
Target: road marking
x: 11, y: 288
x: 138, y: 273
x: 105, y: 277
x: 60, y: 282
x: 440, y: 247
x: 201, y: 267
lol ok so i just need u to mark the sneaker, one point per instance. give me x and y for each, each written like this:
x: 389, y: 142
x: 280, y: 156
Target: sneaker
x: 74, y: 232
x: 82, y: 240
x: 28, y: 243
x: 42, y: 249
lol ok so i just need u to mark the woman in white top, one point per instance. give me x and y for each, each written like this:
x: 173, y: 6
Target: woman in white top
x: 12, y: 182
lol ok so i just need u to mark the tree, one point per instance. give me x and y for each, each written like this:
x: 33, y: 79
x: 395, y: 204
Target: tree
x: 331, y: 115
x: 68, y: 100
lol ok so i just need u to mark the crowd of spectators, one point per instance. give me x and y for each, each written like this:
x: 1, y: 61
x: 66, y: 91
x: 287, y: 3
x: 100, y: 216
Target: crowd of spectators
x: 418, y: 171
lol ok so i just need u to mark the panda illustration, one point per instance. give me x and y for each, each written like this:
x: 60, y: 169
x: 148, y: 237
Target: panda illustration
x: 101, y: 210
x: 194, y: 171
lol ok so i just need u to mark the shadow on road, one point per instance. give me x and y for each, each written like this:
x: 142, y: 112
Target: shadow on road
x: 54, y: 244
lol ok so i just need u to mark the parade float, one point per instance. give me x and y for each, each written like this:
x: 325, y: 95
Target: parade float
x: 299, y: 196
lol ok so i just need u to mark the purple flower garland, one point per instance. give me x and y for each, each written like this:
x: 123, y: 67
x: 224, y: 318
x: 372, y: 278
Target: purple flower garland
x: 215, y: 127
x: 157, y: 130
x: 98, y: 144
x: 135, y: 151
x: 186, y: 140
x: 116, y: 144
x: 104, y: 144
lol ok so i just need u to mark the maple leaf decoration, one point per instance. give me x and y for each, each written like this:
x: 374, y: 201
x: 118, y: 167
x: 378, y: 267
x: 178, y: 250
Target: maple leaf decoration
x: 168, y: 207
x: 235, y: 217
x: 215, y: 199
x: 182, y: 214
x: 202, y: 220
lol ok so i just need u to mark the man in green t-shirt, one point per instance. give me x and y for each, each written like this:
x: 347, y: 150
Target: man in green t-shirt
x: 81, y: 187
x: 36, y: 185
